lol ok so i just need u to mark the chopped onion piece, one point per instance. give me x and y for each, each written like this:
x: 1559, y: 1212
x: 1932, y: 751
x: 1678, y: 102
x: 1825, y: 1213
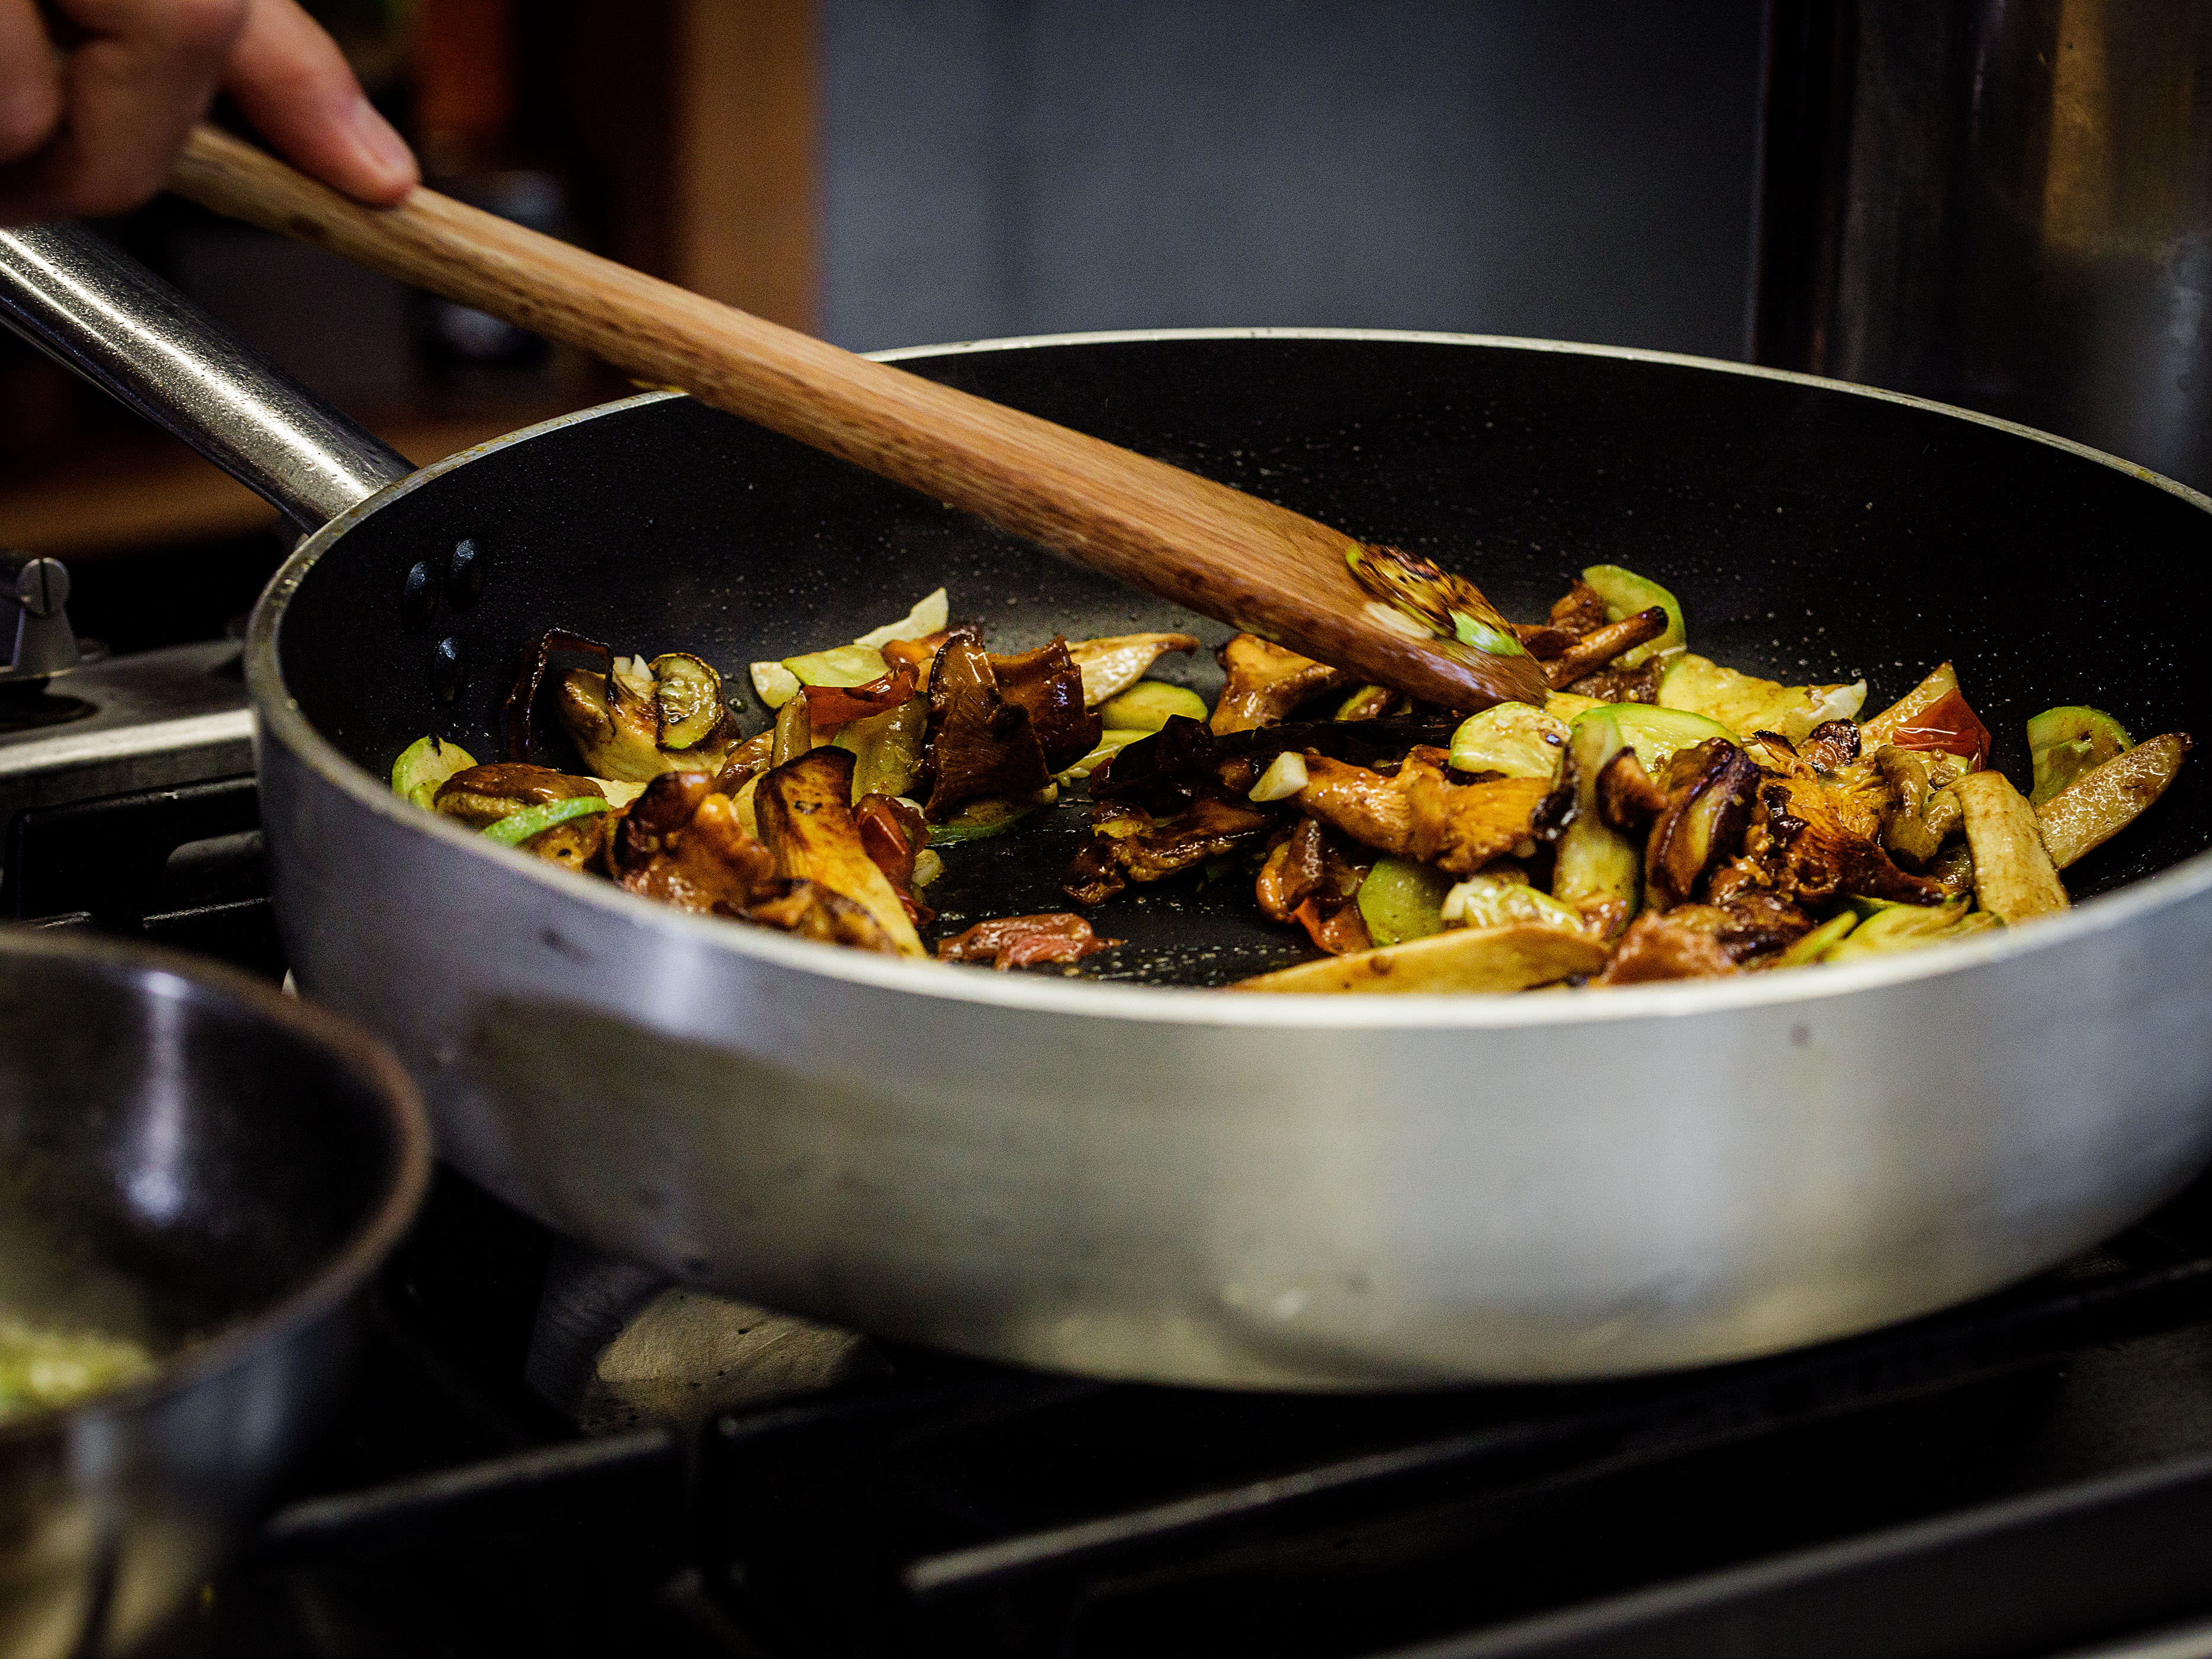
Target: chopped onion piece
x: 774, y: 684
x: 1284, y: 777
x: 634, y: 675
x: 927, y: 617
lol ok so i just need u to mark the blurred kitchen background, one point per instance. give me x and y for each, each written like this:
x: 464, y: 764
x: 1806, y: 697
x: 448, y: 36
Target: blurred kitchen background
x: 895, y: 172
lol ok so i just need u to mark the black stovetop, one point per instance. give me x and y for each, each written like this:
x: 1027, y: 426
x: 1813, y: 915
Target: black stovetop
x: 2029, y: 1475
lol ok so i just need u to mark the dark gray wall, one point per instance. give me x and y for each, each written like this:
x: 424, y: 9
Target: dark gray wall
x: 1573, y: 170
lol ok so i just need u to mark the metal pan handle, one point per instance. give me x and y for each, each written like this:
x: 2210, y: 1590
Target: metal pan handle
x: 95, y: 309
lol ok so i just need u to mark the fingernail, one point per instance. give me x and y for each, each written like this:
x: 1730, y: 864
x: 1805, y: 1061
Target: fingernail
x: 386, y: 150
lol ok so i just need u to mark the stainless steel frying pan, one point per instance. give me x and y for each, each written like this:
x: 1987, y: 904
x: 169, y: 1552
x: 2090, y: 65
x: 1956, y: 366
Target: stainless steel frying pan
x: 1155, y: 1179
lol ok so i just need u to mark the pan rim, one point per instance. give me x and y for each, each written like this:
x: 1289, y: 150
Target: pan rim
x: 166, y: 972
x: 279, y: 719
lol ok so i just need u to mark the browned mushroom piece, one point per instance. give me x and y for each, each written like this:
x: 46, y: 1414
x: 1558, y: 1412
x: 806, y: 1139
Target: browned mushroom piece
x: 1708, y: 791
x: 1760, y: 919
x: 806, y: 824
x: 1267, y: 681
x: 1797, y: 833
x: 1417, y: 813
x: 1599, y: 647
x: 1626, y: 797
x: 1305, y: 864
x: 617, y: 729
x: 1683, y: 943
x: 978, y: 742
x: 484, y: 794
x: 1922, y: 809
x: 1129, y: 844
x: 1543, y: 640
x: 1831, y: 746
x: 578, y: 844
x: 680, y: 844
x: 1613, y: 683
x: 1046, y: 684
x: 1111, y: 665
x: 747, y: 760
x: 812, y: 911
x: 1578, y: 611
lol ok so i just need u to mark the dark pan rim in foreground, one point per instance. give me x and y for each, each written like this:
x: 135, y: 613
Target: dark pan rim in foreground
x: 155, y: 972
x: 282, y: 722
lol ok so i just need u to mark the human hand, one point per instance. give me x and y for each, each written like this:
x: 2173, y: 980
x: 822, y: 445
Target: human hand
x: 97, y: 96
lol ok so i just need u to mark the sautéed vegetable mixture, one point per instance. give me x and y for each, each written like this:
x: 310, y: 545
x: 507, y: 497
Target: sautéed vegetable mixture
x: 1660, y: 817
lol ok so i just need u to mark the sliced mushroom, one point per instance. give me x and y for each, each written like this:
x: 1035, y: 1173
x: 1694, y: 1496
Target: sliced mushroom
x: 1111, y: 665
x: 1615, y: 684
x: 576, y: 844
x: 980, y: 743
x: 1459, y: 959
x: 484, y: 795
x: 1046, y: 684
x: 1580, y: 610
x: 1601, y: 645
x: 792, y: 735
x: 1812, y: 856
x: 1831, y: 746
x: 2105, y: 799
x: 1626, y: 797
x: 1683, y: 943
x: 1266, y: 682
x: 1923, y: 811
x: 747, y: 761
x: 2014, y: 879
x: 1129, y: 844
x: 1708, y: 802
x: 681, y: 843
x: 804, y: 808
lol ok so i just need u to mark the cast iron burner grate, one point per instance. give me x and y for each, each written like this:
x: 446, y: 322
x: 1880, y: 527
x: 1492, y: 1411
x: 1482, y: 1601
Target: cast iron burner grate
x: 943, y: 1506
x: 2020, y: 1476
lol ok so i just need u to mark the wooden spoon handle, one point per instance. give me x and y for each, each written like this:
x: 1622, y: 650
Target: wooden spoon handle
x: 1202, y: 544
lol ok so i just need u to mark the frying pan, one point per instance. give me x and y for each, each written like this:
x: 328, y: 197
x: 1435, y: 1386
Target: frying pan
x: 190, y: 1162
x: 1157, y: 1179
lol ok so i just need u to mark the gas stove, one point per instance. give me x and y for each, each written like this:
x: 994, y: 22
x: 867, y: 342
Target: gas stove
x: 549, y: 1451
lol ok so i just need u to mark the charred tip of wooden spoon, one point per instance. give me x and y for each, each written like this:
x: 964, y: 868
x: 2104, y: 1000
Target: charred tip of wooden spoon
x: 1446, y: 617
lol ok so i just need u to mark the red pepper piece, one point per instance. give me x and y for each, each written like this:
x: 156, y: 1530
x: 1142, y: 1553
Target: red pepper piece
x: 1948, y: 725
x: 834, y: 705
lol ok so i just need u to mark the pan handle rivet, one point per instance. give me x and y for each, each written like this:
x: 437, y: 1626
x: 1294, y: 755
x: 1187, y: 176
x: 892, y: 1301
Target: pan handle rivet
x: 465, y: 576
x: 418, y: 595
x: 446, y: 672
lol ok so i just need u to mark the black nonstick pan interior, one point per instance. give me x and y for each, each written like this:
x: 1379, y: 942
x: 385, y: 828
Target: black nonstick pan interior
x: 1811, y: 533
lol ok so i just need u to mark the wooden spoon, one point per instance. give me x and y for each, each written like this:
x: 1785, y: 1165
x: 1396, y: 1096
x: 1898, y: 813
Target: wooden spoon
x: 1224, y: 554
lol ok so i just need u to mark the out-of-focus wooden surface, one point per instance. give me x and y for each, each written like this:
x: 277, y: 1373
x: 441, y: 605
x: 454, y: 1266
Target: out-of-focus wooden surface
x: 742, y: 98
x: 136, y: 492
x: 687, y: 132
